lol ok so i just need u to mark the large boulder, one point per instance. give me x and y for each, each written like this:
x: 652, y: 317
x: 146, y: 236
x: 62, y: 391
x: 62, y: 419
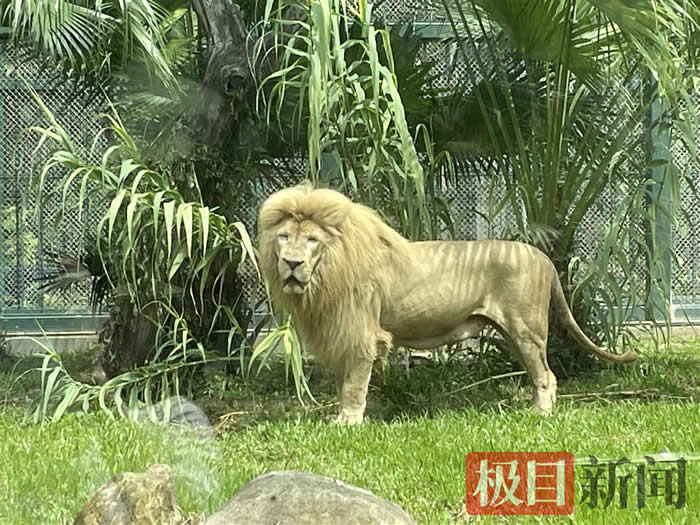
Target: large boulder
x: 302, y: 498
x: 134, y: 498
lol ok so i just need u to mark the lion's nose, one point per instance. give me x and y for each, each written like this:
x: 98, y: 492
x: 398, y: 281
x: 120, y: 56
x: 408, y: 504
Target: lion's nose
x: 292, y: 263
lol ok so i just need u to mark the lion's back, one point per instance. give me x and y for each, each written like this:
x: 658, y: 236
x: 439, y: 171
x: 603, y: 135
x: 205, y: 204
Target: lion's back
x: 479, y: 255
x: 466, y: 272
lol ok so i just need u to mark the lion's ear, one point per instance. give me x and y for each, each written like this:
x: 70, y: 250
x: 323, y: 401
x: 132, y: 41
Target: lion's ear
x: 332, y: 217
x: 271, y: 217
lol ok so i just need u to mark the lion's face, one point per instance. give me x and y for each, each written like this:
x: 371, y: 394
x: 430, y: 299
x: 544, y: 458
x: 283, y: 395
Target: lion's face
x: 300, y: 246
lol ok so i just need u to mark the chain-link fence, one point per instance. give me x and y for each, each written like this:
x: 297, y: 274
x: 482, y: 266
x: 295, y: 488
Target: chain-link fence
x: 685, y: 273
x: 27, y: 238
x: 31, y: 231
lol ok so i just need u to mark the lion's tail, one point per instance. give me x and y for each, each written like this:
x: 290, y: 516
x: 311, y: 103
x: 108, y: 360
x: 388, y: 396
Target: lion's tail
x: 561, y: 305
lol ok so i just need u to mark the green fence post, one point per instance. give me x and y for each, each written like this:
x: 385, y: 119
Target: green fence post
x: 659, y: 228
x: 2, y: 200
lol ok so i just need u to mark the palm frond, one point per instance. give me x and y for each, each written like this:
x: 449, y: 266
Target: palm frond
x: 598, y: 34
x: 67, y: 272
x: 93, y: 39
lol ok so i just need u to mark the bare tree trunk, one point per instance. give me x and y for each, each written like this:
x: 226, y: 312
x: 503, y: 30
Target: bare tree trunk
x: 228, y: 73
x: 232, y: 70
x: 127, y: 338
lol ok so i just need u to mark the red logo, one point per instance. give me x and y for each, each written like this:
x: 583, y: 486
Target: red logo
x: 534, y: 483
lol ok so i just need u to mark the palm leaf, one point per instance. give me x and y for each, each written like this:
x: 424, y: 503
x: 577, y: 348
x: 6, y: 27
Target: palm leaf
x: 93, y: 39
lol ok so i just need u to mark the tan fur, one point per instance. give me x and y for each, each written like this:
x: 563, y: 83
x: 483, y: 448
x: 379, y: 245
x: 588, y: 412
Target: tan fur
x: 353, y: 285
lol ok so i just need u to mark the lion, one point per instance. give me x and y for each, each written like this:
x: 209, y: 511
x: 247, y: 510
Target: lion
x: 354, y: 287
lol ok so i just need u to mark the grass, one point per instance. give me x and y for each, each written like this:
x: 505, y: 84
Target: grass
x: 412, y: 450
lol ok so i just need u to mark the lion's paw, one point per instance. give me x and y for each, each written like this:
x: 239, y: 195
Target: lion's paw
x: 544, y: 411
x: 348, y: 419
x: 544, y: 401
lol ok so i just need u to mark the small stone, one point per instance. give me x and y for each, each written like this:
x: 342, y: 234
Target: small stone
x: 134, y: 498
x: 182, y: 413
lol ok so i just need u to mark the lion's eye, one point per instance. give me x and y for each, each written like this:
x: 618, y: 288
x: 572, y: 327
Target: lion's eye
x: 312, y: 240
x: 283, y: 237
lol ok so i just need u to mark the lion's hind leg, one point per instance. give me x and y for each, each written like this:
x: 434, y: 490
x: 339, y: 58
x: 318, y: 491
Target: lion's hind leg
x: 534, y: 359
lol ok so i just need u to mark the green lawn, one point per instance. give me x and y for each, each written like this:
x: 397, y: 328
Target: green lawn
x: 412, y: 451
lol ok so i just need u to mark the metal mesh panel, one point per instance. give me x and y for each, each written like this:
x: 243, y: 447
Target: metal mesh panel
x: 449, y: 65
x: 408, y: 10
x: 469, y: 204
x: 685, y: 275
x: 25, y: 238
x: 404, y: 11
x: 591, y: 230
x: 28, y: 236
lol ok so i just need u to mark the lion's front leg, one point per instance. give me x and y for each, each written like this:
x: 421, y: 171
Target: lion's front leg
x: 352, y: 381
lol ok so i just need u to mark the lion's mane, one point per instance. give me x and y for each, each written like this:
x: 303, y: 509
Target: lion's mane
x: 353, y: 276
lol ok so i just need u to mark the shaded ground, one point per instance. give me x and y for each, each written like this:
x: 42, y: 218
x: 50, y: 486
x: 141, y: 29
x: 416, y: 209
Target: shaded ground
x: 412, y: 451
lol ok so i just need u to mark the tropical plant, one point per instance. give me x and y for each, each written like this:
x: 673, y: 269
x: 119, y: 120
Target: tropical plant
x: 91, y: 40
x: 341, y: 76
x: 554, y: 107
x: 166, y: 257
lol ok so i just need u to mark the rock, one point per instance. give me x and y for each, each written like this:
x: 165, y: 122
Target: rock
x: 183, y: 413
x: 303, y: 498
x: 134, y: 498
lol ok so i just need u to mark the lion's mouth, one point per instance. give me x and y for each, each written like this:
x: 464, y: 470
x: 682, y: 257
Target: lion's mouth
x: 293, y: 282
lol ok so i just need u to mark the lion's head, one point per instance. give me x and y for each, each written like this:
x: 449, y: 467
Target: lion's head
x: 300, y: 245
x: 316, y: 244
x: 297, y: 226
